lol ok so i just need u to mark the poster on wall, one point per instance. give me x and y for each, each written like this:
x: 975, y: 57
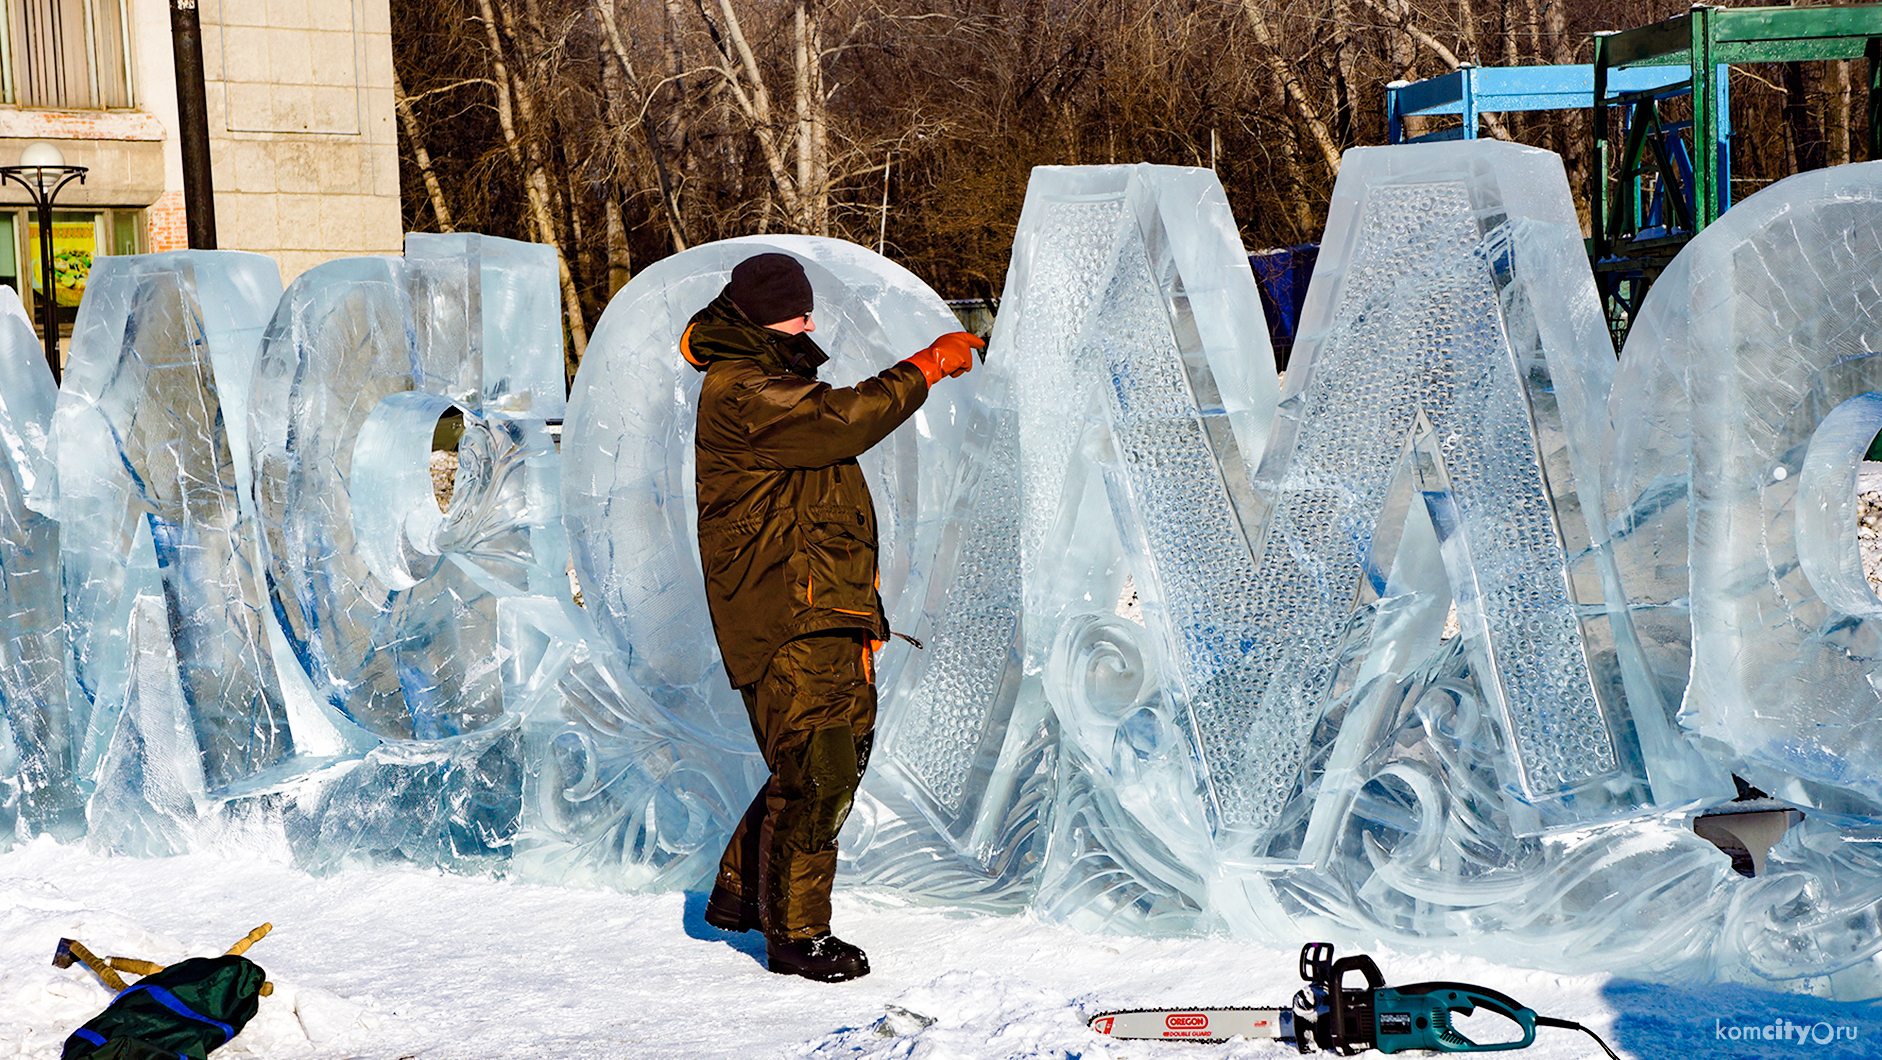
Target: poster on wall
x: 74, y: 240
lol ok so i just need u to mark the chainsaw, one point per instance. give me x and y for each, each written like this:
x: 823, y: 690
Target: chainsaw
x: 1332, y: 1016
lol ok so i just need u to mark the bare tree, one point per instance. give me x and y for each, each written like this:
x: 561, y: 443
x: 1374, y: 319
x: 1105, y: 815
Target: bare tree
x: 620, y: 131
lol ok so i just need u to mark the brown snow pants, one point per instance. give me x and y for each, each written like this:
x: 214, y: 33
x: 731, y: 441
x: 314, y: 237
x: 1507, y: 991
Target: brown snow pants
x: 814, y: 715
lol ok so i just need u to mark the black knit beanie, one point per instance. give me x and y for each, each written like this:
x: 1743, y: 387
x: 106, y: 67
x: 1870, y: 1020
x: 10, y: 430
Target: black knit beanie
x: 770, y: 288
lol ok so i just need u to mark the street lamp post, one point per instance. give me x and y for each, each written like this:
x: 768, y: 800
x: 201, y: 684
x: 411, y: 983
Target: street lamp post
x: 43, y: 173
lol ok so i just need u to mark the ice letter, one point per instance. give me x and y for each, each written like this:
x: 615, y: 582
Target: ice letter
x: 1436, y: 446
x: 630, y: 503
x: 149, y: 496
x: 399, y: 633
x: 1750, y: 389
x: 1141, y: 380
x: 1447, y: 393
x: 44, y: 796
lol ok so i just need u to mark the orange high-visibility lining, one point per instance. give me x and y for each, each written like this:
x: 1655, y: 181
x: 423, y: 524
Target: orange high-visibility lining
x: 810, y: 597
x: 686, y: 346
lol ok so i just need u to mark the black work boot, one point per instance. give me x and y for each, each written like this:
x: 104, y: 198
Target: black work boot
x: 826, y: 958
x: 728, y: 912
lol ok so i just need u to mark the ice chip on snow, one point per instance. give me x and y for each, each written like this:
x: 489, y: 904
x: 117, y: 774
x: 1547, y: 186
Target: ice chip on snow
x: 1748, y: 396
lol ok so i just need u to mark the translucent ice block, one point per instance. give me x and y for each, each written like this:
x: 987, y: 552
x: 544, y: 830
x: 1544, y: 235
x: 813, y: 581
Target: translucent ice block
x: 396, y: 628
x: 33, y: 702
x: 454, y: 803
x: 488, y: 320
x: 1066, y: 248
x: 961, y: 775
x: 150, y: 495
x: 1426, y: 853
x: 1142, y: 388
x: 630, y: 502
x: 1452, y: 358
x: 151, y: 791
x: 618, y: 790
x: 1810, y: 922
x: 1747, y: 400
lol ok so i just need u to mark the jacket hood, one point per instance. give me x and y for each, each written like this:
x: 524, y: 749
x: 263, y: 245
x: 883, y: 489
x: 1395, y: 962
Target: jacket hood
x: 722, y: 332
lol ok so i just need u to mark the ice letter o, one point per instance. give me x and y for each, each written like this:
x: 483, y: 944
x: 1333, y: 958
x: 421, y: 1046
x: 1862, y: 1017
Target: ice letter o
x: 1827, y: 513
x: 1747, y: 394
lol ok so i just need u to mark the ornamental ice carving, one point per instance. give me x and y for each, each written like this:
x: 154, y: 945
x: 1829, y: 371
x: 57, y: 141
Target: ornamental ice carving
x: 234, y: 603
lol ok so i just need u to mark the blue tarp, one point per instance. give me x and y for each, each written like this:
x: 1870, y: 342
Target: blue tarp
x: 1282, y: 276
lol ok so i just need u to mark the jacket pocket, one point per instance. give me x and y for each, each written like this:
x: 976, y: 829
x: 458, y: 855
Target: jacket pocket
x: 839, y: 569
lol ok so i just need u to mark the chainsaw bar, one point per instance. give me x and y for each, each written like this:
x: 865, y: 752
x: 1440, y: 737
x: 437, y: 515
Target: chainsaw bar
x: 1196, y: 1024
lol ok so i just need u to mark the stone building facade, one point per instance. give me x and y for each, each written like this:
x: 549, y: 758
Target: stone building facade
x: 301, y: 133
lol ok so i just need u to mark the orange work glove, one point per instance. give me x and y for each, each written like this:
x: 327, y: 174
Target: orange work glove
x: 950, y: 355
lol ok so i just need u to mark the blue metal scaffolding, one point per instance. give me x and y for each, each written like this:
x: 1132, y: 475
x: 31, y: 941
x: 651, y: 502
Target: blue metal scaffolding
x: 1470, y: 91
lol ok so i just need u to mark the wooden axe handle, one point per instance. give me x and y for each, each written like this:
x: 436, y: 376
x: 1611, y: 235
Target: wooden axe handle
x: 250, y: 939
x: 134, y: 966
x: 72, y: 948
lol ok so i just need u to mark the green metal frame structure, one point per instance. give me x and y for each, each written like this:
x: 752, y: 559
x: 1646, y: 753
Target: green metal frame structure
x: 1638, y: 223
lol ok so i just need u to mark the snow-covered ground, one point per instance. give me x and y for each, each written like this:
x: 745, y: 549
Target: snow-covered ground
x: 414, y: 965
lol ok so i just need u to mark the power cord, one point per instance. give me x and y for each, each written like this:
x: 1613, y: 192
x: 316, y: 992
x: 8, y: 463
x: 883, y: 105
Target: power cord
x: 1551, y: 1021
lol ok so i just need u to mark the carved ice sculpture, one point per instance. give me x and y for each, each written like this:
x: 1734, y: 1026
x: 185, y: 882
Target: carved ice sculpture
x: 1447, y: 402
x: 151, y: 459
x: 272, y: 624
x: 1444, y: 403
x: 928, y: 817
x: 388, y: 605
x: 1752, y: 387
x: 1130, y: 352
x: 392, y: 611
x: 1436, y: 446
x: 38, y: 758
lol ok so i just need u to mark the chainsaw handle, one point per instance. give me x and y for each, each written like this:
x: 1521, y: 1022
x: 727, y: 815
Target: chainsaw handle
x: 1466, y: 998
x: 1360, y: 963
x: 1348, y: 1028
x: 1316, y: 961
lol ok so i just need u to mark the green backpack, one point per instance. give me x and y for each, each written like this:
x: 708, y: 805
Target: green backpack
x: 184, y: 1011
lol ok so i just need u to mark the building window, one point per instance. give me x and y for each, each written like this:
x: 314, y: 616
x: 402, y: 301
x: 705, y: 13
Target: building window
x: 77, y: 237
x: 66, y: 54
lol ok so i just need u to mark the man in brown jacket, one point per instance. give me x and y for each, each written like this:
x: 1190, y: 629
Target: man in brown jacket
x: 787, y: 538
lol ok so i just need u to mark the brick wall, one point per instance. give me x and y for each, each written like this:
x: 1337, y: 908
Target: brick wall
x: 169, y: 224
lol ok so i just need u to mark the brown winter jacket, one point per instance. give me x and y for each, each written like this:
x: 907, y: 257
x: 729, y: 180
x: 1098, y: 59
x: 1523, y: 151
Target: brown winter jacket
x: 787, y: 530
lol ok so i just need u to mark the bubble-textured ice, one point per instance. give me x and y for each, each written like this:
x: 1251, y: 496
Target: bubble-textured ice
x: 1452, y: 298
x: 1143, y: 393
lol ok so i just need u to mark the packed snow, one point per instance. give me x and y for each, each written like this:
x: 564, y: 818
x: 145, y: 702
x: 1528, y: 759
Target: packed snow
x: 420, y: 965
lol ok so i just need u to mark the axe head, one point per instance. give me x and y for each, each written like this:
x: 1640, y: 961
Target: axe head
x: 63, y: 957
